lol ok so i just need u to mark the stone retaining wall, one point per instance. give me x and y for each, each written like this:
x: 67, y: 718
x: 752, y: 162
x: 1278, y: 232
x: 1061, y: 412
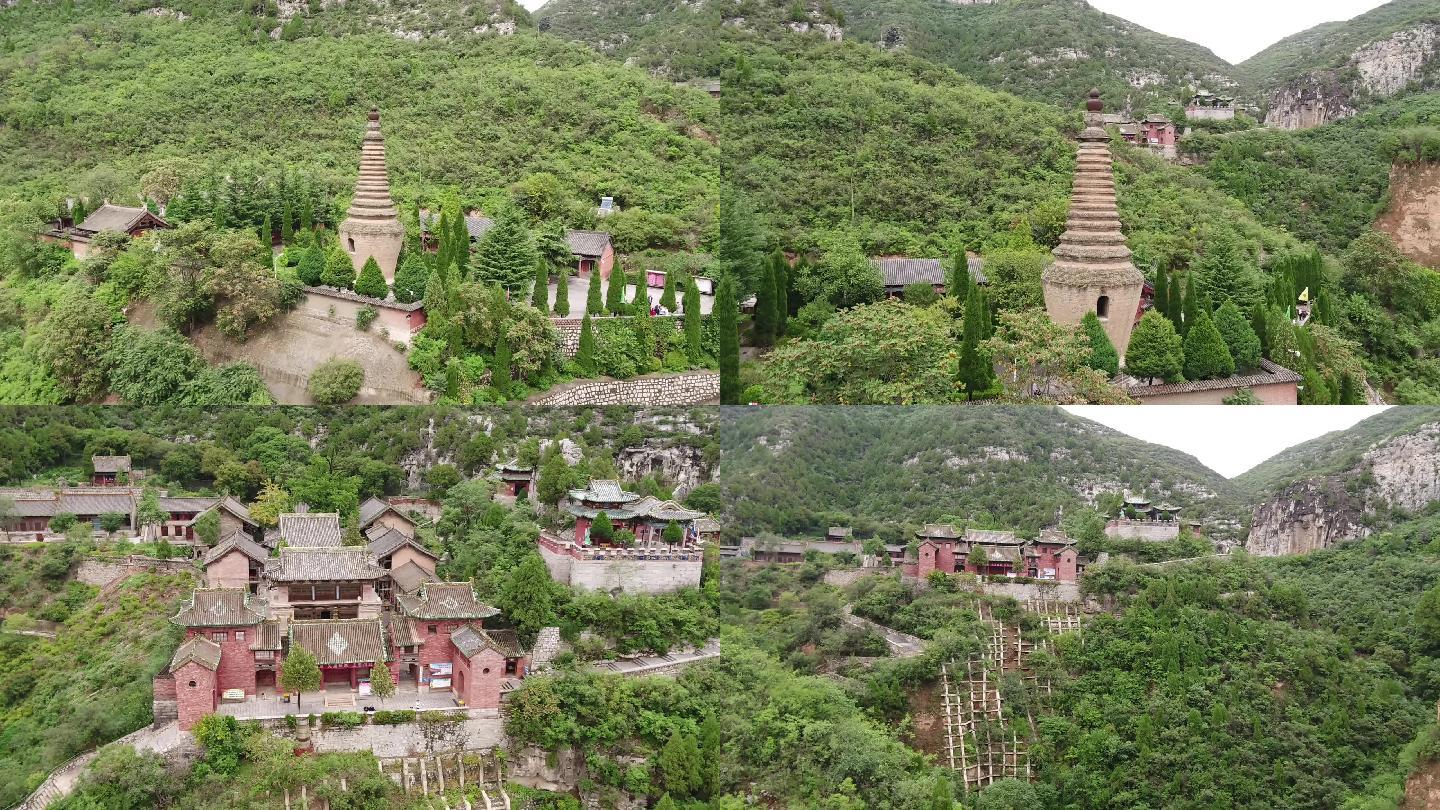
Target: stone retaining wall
x: 1062, y: 591
x: 629, y: 576
x: 569, y: 328
x: 655, y: 390
x: 100, y: 573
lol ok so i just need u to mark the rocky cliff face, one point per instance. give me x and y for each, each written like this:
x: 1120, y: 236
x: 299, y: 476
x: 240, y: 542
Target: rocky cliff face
x: 682, y: 465
x: 1379, y: 69
x: 1403, y: 471
x: 1413, y: 218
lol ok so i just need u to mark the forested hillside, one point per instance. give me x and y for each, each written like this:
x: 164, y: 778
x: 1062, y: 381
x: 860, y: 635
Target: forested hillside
x: 1280, y: 683
x: 798, y: 470
x: 1048, y: 50
x: 672, y: 38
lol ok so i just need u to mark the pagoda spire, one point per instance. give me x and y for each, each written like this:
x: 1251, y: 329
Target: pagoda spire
x: 1092, y: 270
x: 372, y: 226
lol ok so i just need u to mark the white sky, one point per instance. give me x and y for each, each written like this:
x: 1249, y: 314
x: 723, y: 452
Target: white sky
x: 532, y: 4
x: 1234, y: 29
x: 1228, y: 439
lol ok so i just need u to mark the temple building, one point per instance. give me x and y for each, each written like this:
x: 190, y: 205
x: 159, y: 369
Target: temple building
x: 899, y: 272
x: 108, y: 470
x: 1139, y: 519
x: 133, y: 222
x: 1092, y: 271
x: 1154, y: 132
x: 34, y: 509
x: 1052, y: 557
x: 372, y: 226
x: 1205, y: 106
x: 352, y: 607
x: 516, y: 479
x: 636, y: 558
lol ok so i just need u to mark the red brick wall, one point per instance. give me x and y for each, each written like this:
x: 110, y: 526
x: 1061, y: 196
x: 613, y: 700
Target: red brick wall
x: 936, y: 557
x: 607, y: 262
x: 481, y: 689
x: 435, y: 649
x: 194, y: 702
x: 237, y: 660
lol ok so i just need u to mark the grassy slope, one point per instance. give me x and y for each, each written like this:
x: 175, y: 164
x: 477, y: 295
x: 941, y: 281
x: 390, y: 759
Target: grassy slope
x: 88, y: 686
x: 114, y: 93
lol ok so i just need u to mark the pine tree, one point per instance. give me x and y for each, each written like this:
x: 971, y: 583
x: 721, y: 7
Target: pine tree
x: 679, y: 765
x: 1239, y: 336
x: 267, y: 232
x: 585, y: 354
x: 615, y: 292
x: 601, y: 529
x: 709, y: 757
x: 977, y: 372
x: 640, y: 301
x: 562, y: 290
x: 1349, y: 391
x: 942, y: 796
x: 728, y: 315
x: 500, y: 374
x: 372, y: 281
x: 694, y: 344
x: 763, y: 333
x: 1313, y: 390
x: 307, y: 215
x: 593, y: 304
x: 666, y: 803
x: 1155, y: 349
x: 528, y: 597
x: 1206, y: 357
x: 339, y: 272
x: 312, y: 266
x: 1190, y: 310
x: 506, y: 254
x: 540, y: 290
x: 1103, y: 356
x: 1161, y: 302
x: 410, y: 279
x: 667, y: 298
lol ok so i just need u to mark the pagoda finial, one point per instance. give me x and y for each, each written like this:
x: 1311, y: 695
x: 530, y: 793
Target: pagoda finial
x: 374, y: 113
x: 1094, y: 104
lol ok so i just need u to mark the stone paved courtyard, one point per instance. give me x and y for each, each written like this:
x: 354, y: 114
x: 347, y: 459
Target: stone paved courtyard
x: 269, y: 704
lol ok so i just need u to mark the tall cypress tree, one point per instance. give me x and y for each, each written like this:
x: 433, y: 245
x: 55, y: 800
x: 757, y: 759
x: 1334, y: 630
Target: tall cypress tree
x: 960, y: 277
x: 1173, y: 301
x: 1103, y: 356
x: 410, y: 278
x: 667, y: 298
x: 339, y: 272
x: 694, y: 345
x: 593, y: 302
x: 312, y: 266
x: 287, y: 222
x: 1206, y: 355
x: 640, y: 300
x: 562, y: 290
x: 782, y: 294
x: 307, y: 215
x: 585, y: 353
x: 267, y: 232
x: 506, y: 254
x: 500, y: 374
x: 540, y: 293
x: 976, y: 372
x: 615, y: 292
x: 1161, y: 303
x: 764, y: 331
x: 1261, y: 324
x: 1190, y: 310
x: 728, y: 315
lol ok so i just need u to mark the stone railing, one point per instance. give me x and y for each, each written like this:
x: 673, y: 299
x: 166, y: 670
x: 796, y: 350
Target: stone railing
x: 654, y: 390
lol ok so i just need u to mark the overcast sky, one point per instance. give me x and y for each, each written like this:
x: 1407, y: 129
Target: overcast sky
x: 1228, y: 439
x: 1235, y: 29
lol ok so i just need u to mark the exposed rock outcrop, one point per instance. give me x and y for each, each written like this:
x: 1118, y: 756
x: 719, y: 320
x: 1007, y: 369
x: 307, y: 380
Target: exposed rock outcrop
x: 1402, y: 471
x: 1309, y: 102
x: 1378, y: 69
x: 683, y: 465
x: 1413, y: 218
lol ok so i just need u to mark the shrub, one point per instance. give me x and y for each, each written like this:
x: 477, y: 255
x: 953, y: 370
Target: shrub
x: 392, y: 717
x: 336, y: 381
x: 342, y: 719
x: 365, y: 317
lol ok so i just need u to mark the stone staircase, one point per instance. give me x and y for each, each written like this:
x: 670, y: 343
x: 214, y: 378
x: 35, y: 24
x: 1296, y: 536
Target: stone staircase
x: 547, y: 646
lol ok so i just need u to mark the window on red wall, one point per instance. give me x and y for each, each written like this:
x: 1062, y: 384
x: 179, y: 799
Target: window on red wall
x: 239, y: 635
x: 433, y: 629
x: 218, y: 637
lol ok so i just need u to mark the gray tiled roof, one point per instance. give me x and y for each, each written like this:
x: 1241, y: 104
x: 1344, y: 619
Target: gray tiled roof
x: 707, y: 524
x: 470, y: 640
x: 369, y: 510
x: 221, y: 607
x: 237, y: 542
x: 113, y: 218
x: 942, y: 531
x: 110, y: 464
x: 590, y: 244
x: 390, y: 541
x: 323, y: 565
x: 186, y: 504
x: 311, y: 530
x: 445, y: 600
x: 410, y: 576
x: 199, y: 649
x: 341, y: 641
x: 398, y: 630
x: 992, y: 538
x: 1269, y: 374
x: 656, y: 509
x: 96, y: 503
x: 606, y: 491
x: 268, y: 636
x: 901, y: 271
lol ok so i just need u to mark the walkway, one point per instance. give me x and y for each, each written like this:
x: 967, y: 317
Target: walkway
x: 658, y: 664
x: 269, y: 705
x: 902, y: 645
x: 62, y: 780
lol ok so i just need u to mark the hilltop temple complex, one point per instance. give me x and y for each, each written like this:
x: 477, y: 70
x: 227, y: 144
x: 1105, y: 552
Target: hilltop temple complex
x: 1052, y: 557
